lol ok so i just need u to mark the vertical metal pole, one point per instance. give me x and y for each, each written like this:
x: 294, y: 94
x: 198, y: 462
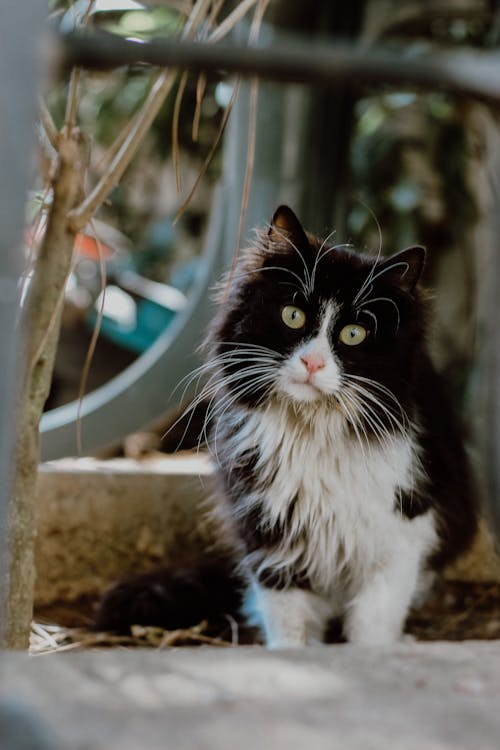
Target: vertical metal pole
x: 20, y: 26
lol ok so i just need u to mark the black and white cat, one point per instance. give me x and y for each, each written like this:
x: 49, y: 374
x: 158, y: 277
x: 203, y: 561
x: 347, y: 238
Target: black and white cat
x: 341, y: 467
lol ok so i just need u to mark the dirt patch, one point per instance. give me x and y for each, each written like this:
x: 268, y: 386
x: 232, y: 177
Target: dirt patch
x: 459, y: 611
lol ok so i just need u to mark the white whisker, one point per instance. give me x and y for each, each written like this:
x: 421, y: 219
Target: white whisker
x: 385, y: 299
x: 320, y: 254
x: 354, y: 421
x: 372, y: 404
x: 373, y: 421
x: 360, y: 298
x: 371, y: 272
x: 302, y: 285
x: 371, y: 315
x: 232, y: 397
x: 390, y: 267
x: 306, y: 270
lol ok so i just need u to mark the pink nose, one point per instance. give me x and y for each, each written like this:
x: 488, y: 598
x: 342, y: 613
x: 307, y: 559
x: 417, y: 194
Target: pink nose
x: 312, y: 362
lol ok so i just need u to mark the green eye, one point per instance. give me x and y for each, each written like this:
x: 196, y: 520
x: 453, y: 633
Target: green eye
x: 293, y: 317
x: 353, y: 334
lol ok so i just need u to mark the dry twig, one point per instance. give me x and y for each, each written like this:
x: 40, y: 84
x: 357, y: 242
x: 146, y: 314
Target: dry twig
x: 93, y: 341
x: 175, y: 130
x: 137, y: 129
x: 48, y: 124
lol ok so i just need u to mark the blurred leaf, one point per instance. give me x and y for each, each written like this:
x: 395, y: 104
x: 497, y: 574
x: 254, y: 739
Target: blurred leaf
x: 399, y: 99
x: 405, y: 196
x: 371, y: 120
x: 146, y: 24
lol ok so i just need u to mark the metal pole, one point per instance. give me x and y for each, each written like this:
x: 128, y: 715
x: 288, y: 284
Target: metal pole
x: 20, y: 25
x: 293, y: 60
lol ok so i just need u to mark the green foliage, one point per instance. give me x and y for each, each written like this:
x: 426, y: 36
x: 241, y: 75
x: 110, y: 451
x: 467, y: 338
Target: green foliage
x: 108, y: 101
x: 145, y: 24
x: 405, y: 147
x: 408, y: 150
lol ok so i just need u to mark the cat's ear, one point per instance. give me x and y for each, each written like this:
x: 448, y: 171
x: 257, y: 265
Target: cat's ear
x: 405, y: 268
x: 286, y: 227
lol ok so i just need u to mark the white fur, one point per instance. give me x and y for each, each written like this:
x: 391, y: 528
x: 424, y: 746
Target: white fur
x: 364, y: 559
x: 289, y: 618
x: 360, y: 555
x: 296, y: 382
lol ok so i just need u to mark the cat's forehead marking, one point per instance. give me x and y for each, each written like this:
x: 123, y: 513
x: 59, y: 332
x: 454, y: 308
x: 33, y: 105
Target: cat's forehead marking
x: 329, y: 313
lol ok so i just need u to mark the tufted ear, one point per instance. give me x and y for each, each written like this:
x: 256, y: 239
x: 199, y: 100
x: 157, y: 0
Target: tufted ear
x: 285, y: 226
x: 403, y: 269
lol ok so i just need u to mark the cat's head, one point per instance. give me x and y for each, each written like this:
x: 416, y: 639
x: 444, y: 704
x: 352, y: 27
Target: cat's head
x: 309, y: 322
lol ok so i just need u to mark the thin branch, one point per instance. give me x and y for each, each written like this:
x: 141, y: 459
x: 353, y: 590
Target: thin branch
x: 90, y: 8
x: 197, y: 15
x: 48, y: 124
x: 201, y: 86
x: 93, y: 341
x: 231, y: 20
x: 257, y: 20
x: 74, y: 81
x: 214, y: 12
x: 138, y: 128
x: 206, y: 163
x: 105, y: 160
x: 200, y: 90
x: 52, y: 269
x: 72, y: 100
x: 175, y: 130
x: 123, y: 136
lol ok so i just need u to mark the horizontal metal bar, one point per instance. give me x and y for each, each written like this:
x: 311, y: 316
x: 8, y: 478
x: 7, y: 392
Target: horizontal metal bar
x: 474, y: 73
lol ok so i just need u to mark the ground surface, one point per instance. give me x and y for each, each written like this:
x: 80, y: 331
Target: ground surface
x: 459, y: 610
x: 416, y: 696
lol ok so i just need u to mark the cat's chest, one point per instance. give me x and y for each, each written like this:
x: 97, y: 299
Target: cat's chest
x: 320, y: 467
x: 331, y: 499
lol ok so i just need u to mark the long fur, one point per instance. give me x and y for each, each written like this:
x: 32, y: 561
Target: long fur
x: 342, y: 471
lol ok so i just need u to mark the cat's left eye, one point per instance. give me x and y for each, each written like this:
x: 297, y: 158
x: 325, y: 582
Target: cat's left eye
x: 293, y: 317
x: 353, y: 334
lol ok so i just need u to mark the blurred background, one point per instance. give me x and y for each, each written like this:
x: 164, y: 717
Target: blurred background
x: 411, y: 166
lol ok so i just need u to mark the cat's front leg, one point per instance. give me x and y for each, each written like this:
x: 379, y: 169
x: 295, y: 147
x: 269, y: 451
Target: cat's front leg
x: 377, y: 610
x: 290, y: 617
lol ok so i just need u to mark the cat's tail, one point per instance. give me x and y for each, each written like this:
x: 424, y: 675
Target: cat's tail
x: 173, y: 597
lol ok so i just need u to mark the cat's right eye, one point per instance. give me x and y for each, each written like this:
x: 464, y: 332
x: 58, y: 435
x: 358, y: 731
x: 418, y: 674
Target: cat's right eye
x: 353, y: 334
x: 293, y: 317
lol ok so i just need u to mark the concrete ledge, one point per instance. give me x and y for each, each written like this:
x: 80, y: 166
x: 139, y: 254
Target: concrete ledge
x: 98, y: 520
x: 438, y: 696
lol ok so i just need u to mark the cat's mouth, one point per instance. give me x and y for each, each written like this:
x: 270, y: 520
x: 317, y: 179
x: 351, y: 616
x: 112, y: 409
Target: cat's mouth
x: 307, y: 381
x: 304, y: 390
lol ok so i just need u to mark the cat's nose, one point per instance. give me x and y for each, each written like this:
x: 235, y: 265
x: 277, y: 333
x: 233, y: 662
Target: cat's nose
x: 312, y: 362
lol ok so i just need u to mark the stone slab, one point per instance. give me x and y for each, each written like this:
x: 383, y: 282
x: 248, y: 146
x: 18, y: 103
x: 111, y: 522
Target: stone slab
x: 415, y: 696
x: 101, y: 519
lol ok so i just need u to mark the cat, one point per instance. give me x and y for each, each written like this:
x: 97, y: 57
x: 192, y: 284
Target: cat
x: 341, y: 467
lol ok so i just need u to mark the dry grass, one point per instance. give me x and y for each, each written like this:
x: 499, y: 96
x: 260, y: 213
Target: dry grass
x: 47, y: 639
x: 459, y: 610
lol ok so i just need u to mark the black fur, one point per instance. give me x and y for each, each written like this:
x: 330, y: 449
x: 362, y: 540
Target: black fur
x: 173, y: 597
x: 394, y: 354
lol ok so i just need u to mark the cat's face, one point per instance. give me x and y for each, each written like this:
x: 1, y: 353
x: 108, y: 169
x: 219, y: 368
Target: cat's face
x: 311, y: 323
